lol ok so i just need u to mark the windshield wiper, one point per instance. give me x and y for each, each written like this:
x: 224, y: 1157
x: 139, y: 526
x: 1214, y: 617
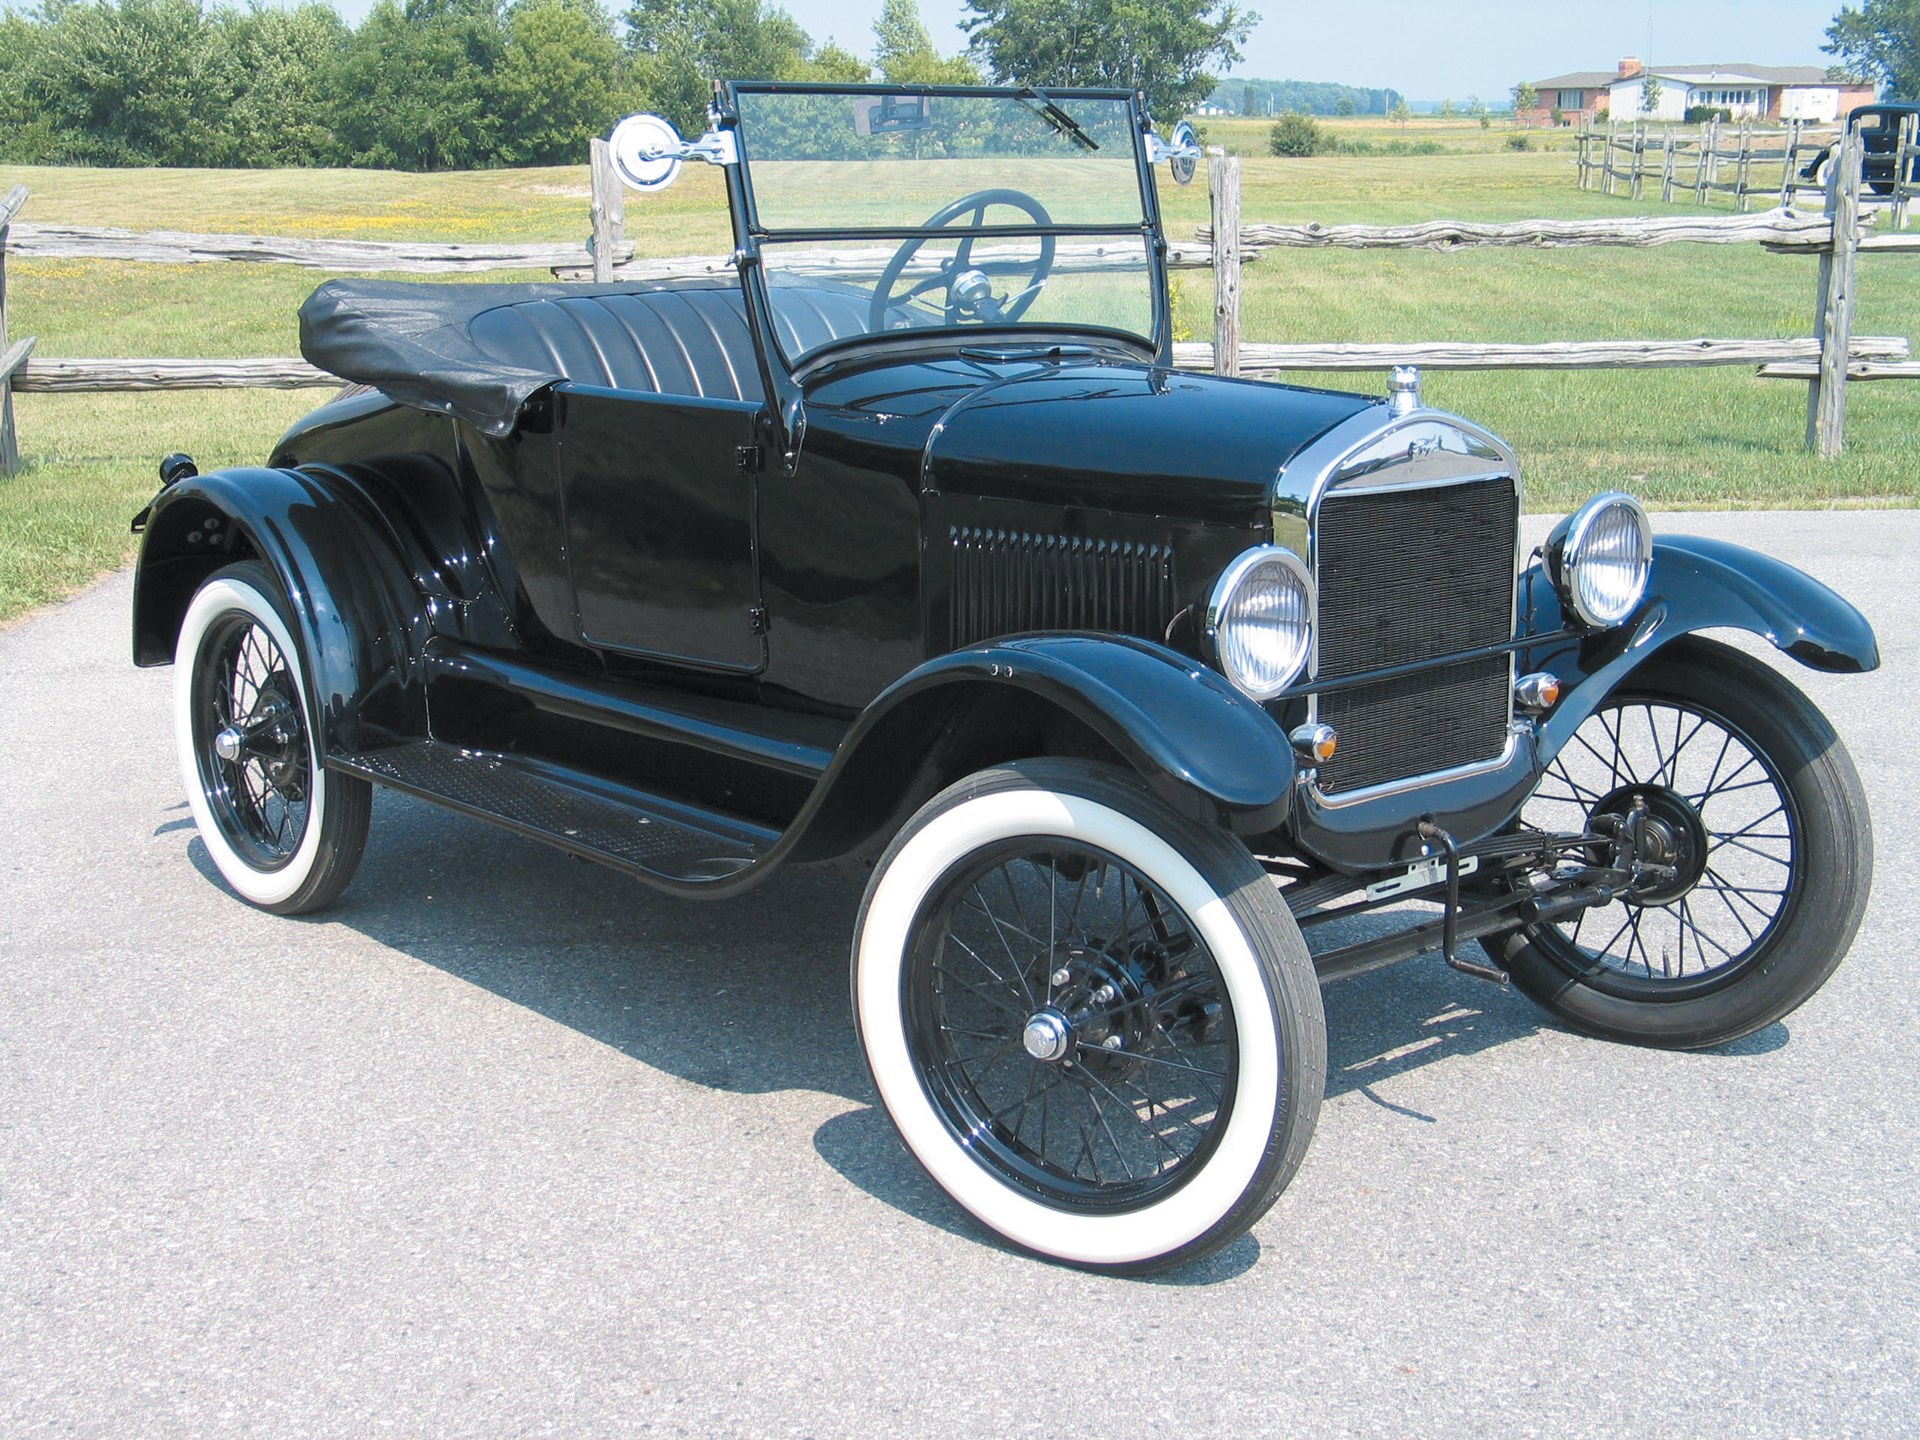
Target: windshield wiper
x: 1060, y: 120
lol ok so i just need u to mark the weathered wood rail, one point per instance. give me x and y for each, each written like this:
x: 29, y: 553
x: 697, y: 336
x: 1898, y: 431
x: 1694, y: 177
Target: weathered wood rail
x: 77, y: 375
x: 180, y: 247
x: 1774, y: 227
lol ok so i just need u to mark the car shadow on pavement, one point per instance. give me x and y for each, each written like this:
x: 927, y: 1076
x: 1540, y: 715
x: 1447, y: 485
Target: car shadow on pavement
x: 749, y: 994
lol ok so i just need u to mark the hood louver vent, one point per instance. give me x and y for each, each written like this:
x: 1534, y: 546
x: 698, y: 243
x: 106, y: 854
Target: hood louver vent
x: 1006, y: 582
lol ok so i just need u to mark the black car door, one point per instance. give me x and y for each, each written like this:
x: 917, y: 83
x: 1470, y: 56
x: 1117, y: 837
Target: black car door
x: 658, y: 493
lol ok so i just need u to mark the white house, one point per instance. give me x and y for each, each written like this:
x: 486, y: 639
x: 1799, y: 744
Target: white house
x: 1765, y: 92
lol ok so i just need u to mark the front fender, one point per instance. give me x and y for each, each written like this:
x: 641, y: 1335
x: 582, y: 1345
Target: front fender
x: 1198, y: 743
x: 1696, y: 584
x: 359, y: 615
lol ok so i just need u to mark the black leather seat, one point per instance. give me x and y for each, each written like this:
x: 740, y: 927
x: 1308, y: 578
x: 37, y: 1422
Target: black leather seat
x: 681, y: 340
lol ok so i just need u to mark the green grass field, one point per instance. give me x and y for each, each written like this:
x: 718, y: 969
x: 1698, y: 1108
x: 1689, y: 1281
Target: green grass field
x: 1711, y: 437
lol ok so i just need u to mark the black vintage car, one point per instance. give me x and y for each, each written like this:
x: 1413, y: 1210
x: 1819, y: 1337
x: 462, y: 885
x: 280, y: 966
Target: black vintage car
x: 1879, y: 127
x: 906, y: 548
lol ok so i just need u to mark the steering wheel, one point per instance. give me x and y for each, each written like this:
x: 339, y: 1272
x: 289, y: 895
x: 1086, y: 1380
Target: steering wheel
x: 969, y: 286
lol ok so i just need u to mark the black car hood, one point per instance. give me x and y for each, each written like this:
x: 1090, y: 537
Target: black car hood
x: 1131, y: 438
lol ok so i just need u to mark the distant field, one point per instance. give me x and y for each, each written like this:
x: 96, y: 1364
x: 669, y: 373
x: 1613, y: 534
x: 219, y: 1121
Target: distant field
x: 1458, y: 134
x: 1681, y: 438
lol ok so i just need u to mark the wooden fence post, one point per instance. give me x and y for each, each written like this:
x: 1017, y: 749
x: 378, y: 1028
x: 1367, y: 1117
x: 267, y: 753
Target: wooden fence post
x: 1586, y: 145
x: 609, y: 210
x: 1791, y: 142
x: 1906, y: 183
x: 1827, y: 398
x: 1223, y: 195
x: 1666, y: 167
x: 9, y: 360
x: 1743, y: 171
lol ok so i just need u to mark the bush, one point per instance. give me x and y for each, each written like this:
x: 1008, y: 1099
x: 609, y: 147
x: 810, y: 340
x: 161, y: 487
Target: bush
x: 1341, y: 145
x: 1294, y: 134
x: 1701, y: 114
x: 1519, y: 142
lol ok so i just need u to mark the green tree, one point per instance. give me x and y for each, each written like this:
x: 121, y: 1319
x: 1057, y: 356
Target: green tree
x: 1295, y: 135
x: 834, y: 63
x: 278, y: 113
x: 1345, y: 106
x: 127, y: 82
x: 416, y: 88
x: 1400, y: 114
x: 1650, y: 93
x: 680, y: 47
x: 1166, y: 48
x: 1525, y: 98
x: 1880, y: 39
x: 904, y: 54
x: 1447, y: 109
x: 558, y: 80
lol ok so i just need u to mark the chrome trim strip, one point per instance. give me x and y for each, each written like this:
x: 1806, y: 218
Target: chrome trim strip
x: 1516, y: 730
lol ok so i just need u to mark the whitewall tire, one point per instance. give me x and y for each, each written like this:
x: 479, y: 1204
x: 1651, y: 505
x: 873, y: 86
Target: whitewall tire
x: 1092, y: 1021
x: 283, y: 831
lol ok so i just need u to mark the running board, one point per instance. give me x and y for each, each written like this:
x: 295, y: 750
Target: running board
x: 647, y: 836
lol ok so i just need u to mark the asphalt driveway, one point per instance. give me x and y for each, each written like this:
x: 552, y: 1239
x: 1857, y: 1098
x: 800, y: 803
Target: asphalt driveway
x: 505, y: 1144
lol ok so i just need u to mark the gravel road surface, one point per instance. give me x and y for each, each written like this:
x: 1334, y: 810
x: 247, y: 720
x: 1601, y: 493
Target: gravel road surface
x: 506, y: 1144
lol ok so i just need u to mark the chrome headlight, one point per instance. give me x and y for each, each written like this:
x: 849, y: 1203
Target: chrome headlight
x: 1600, y: 557
x: 1260, y: 621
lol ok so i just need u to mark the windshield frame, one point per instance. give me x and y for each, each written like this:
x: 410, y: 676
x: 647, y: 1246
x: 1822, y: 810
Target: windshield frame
x: 750, y: 234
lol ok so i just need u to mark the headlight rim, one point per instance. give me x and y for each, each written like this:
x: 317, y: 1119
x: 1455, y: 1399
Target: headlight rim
x: 1219, y: 598
x: 1570, y: 539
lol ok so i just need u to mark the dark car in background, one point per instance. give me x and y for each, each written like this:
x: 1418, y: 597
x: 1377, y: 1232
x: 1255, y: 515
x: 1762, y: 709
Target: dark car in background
x: 1148, y: 700
x: 1879, y: 127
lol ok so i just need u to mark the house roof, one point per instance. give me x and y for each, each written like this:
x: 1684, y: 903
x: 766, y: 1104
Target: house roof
x: 1578, y: 80
x: 1726, y: 72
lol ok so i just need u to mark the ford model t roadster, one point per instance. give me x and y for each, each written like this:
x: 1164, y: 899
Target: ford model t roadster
x: 907, y: 548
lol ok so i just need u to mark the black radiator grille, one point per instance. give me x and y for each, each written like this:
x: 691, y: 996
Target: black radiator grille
x: 1415, y: 575
x: 1009, y: 581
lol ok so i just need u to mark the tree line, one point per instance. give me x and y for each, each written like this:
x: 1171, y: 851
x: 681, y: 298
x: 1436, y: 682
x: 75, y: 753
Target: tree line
x: 466, y: 84
x: 1306, y: 97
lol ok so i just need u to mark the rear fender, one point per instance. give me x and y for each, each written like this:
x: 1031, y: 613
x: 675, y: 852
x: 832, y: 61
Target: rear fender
x: 1696, y: 584
x: 360, y: 616
x: 1198, y: 743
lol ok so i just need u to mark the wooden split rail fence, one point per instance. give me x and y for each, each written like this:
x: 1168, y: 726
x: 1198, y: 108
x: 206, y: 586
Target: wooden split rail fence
x: 1829, y: 359
x: 1741, y: 160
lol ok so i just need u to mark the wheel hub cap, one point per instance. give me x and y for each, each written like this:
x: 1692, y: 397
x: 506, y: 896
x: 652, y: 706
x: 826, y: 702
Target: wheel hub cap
x: 228, y: 745
x: 1048, y: 1036
x: 1671, y: 835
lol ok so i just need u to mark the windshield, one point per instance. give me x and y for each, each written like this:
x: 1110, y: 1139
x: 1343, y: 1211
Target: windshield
x: 946, y: 211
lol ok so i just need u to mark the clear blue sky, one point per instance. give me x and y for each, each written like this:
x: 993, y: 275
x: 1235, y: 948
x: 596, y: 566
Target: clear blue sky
x: 1437, y: 49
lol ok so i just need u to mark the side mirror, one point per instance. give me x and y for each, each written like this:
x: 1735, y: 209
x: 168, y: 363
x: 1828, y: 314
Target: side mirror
x: 1182, y: 152
x: 647, y: 151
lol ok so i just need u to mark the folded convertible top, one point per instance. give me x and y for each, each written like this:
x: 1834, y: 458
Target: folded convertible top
x: 416, y: 343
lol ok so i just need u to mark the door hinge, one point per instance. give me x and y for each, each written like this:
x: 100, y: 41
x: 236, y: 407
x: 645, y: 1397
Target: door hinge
x: 757, y: 619
x: 750, y: 458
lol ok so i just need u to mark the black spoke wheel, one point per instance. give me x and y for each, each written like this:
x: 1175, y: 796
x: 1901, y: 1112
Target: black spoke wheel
x: 1067, y: 1019
x: 283, y: 831
x: 252, y: 741
x: 1091, y: 1020
x: 1747, y: 801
